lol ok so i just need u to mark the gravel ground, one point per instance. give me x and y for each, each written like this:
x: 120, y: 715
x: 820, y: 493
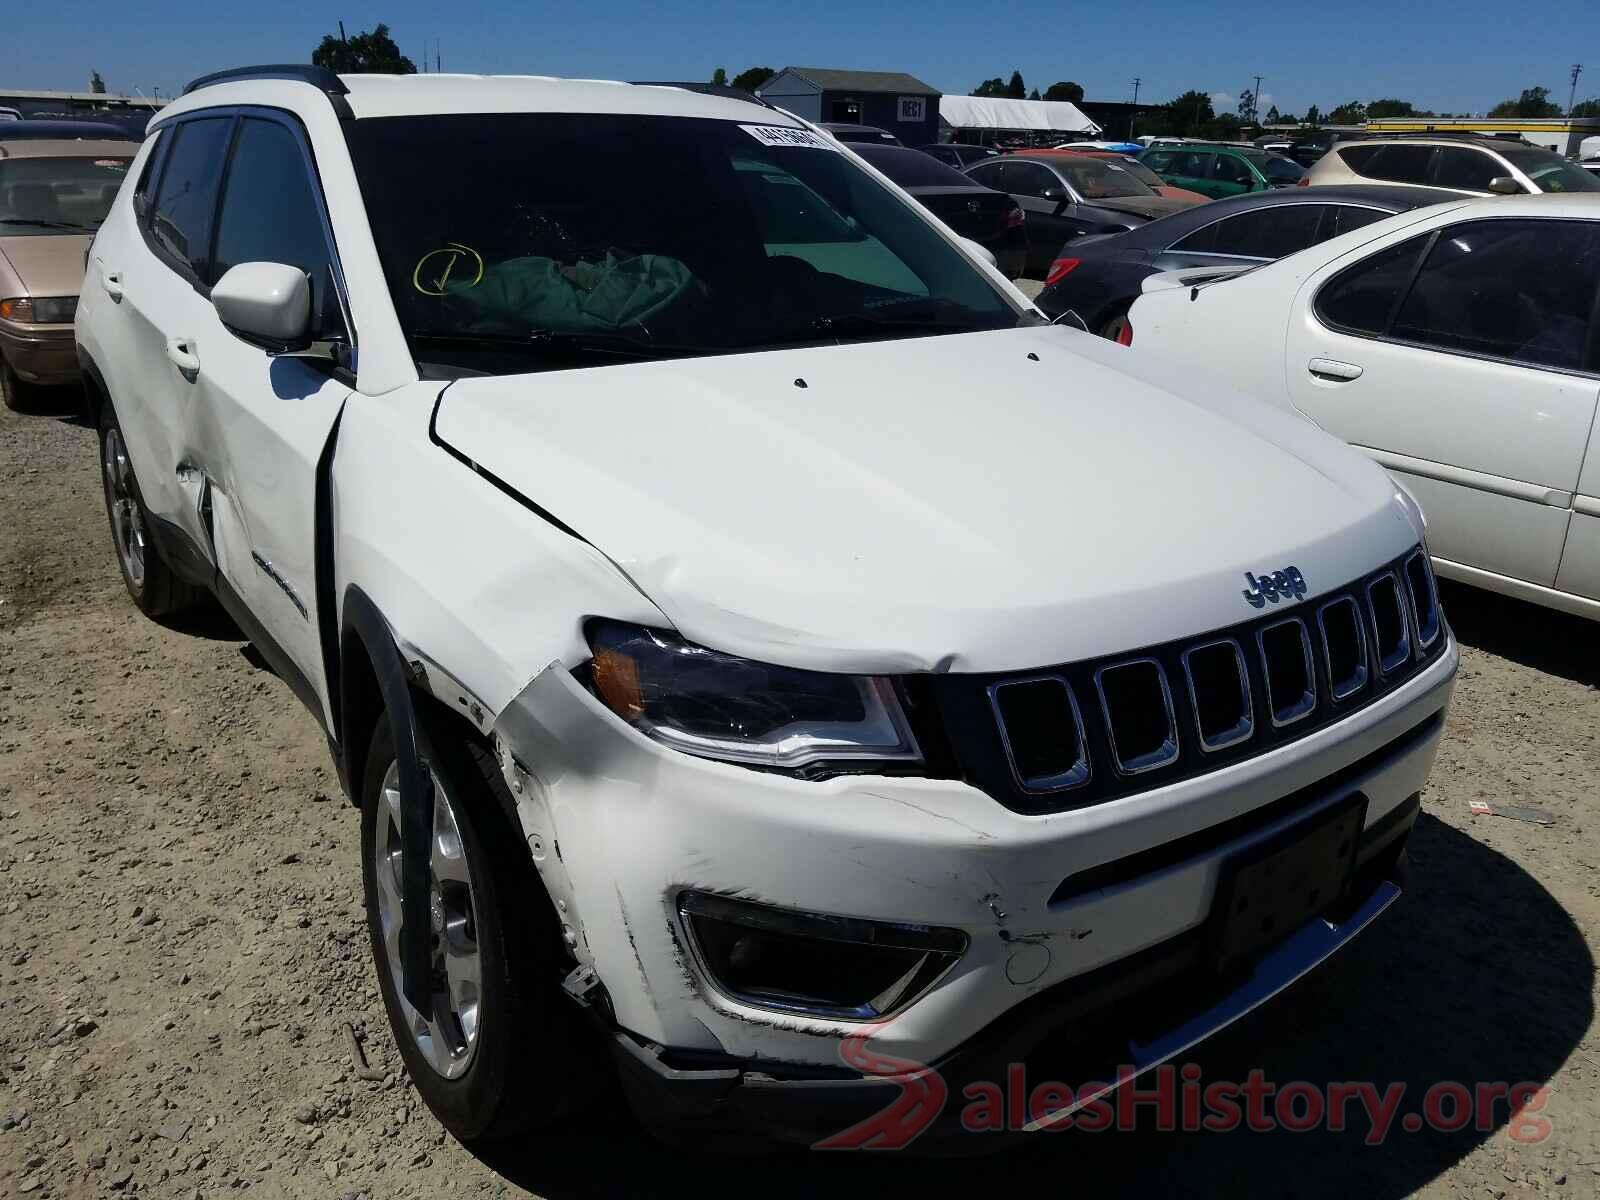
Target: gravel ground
x: 181, y: 936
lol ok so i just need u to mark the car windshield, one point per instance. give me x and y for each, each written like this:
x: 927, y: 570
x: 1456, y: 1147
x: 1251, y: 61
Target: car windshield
x: 44, y: 196
x: 1549, y: 171
x: 1142, y: 173
x: 559, y: 240
x: 1100, y: 178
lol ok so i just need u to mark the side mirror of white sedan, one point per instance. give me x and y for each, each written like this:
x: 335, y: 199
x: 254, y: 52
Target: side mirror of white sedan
x: 266, y: 303
x: 981, y: 251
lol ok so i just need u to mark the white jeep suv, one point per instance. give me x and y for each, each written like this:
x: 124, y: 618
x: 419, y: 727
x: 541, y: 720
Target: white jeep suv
x: 748, y: 628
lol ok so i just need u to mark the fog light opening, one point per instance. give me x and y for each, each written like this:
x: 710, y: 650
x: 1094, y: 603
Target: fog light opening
x: 841, y: 968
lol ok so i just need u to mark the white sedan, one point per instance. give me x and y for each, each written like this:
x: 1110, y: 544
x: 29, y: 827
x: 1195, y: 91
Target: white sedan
x: 1459, y: 345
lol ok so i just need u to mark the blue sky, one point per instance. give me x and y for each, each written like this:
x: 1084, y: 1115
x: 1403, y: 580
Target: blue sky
x: 1462, y: 56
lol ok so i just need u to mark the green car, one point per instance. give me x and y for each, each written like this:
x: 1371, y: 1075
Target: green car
x: 1218, y: 171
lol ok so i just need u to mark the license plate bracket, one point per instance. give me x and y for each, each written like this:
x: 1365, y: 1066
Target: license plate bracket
x: 1268, y: 890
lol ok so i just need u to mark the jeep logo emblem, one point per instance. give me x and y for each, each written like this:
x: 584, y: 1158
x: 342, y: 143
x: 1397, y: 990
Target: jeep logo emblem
x: 1287, y: 584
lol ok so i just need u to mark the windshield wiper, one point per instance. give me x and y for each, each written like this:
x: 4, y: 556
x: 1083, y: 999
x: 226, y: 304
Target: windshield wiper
x: 616, y: 345
x: 75, y: 228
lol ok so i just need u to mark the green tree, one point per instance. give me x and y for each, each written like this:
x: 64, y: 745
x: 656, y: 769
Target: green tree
x: 1534, y: 102
x: 1313, y: 115
x: 1016, y: 89
x: 1587, y: 108
x: 1034, y: 95
x: 991, y: 87
x: 371, y: 53
x: 753, y: 78
x: 1190, y: 111
x: 1274, y: 117
x: 1066, y: 90
x: 719, y: 77
x: 1351, y: 112
x: 1391, y: 108
x: 96, y: 84
x: 1247, y: 105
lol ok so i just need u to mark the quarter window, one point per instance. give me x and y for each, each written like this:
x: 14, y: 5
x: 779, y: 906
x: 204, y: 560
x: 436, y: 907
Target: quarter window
x: 271, y: 213
x: 186, y: 201
x: 1362, y: 298
x: 1517, y: 289
x: 1345, y: 217
x: 1269, y: 232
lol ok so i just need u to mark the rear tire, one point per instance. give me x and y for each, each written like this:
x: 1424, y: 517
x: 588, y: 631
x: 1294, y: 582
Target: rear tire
x: 1112, y: 325
x: 522, y: 1056
x: 155, y: 589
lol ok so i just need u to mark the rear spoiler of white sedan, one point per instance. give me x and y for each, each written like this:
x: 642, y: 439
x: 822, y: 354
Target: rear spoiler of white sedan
x: 1193, y: 277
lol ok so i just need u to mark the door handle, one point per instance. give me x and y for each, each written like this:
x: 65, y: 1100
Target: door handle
x: 181, y: 351
x: 1333, y: 371
x: 112, y: 282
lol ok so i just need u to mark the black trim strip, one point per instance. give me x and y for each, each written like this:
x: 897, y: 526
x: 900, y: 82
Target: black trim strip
x: 1204, y: 841
x: 277, y: 658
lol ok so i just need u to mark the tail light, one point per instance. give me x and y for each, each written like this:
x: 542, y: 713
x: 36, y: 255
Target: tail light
x: 1125, y: 334
x: 1015, y: 216
x: 1303, y: 181
x: 1060, y: 269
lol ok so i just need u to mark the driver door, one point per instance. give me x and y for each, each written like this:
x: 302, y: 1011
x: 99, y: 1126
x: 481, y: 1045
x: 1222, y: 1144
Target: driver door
x: 274, y: 413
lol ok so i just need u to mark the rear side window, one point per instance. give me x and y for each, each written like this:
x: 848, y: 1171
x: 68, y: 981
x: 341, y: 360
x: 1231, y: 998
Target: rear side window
x: 1191, y: 164
x: 1396, y: 163
x: 1476, y: 292
x: 992, y: 175
x: 1362, y: 298
x: 143, y: 191
x: 1459, y: 167
x: 1269, y: 232
x: 271, y: 213
x: 1357, y: 157
x: 1342, y: 218
x: 181, y: 218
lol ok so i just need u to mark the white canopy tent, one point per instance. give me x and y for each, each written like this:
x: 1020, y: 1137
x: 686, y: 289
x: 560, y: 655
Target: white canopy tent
x: 1002, y: 113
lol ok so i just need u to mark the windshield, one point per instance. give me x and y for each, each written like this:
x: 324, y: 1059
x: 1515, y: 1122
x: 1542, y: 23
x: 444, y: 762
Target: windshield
x: 913, y: 168
x: 1549, y: 171
x: 556, y: 240
x: 1142, y: 173
x: 1099, y: 178
x: 44, y: 196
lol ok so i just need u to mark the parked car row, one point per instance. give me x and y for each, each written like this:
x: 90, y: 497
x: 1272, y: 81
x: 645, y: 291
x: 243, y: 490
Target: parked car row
x: 785, y: 634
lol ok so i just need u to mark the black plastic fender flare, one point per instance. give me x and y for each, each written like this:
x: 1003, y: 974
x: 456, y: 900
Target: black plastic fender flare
x: 362, y: 618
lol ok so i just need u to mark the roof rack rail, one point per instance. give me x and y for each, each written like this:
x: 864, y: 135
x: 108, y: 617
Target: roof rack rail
x: 1463, y: 135
x: 318, y: 77
x: 706, y: 89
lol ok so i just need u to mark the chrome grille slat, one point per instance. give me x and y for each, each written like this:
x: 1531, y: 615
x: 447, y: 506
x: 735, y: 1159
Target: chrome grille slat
x: 1164, y: 754
x: 1426, y: 605
x: 1344, y: 686
x: 1287, y: 709
x: 1078, y: 773
x: 1391, y: 661
x: 1246, y: 725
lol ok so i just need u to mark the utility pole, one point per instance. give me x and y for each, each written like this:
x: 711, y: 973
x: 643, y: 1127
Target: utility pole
x: 1577, y: 69
x: 1255, y: 99
x: 1134, y: 116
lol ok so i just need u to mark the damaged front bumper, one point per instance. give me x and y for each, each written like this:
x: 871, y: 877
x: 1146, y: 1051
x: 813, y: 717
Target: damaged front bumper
x: 1091, y: 928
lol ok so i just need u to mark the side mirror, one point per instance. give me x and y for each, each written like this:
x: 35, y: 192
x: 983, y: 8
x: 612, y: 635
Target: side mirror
x: 981, y: 251
x: 1054, y: 194
x: 266, y: 303
x: 1504, y: 185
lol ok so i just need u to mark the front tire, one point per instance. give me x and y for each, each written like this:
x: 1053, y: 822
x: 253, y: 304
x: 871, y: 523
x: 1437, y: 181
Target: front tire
x: 501, y: 1049
x: 151, y: 583
x: 18, y: 396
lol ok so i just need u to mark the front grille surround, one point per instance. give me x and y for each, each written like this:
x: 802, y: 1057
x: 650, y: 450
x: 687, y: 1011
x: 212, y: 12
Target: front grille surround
x: 1294, y: 706
x: 980, y: 749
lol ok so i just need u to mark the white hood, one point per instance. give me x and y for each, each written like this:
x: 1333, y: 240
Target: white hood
x: 941, y: 503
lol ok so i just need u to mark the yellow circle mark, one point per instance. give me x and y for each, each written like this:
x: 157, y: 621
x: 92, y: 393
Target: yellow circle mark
x: 433, y: 280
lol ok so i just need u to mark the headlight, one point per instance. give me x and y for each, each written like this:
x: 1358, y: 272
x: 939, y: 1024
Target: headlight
x: 39, y: 310
x: 718, y: 706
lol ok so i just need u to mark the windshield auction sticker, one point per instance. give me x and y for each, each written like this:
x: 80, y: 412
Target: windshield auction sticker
x: 784, y: 135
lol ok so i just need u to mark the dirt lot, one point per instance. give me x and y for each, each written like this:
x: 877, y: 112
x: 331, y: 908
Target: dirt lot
x: 181, y: 936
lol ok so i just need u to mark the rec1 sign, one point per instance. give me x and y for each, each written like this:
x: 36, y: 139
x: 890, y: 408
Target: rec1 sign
x: 913, y: 108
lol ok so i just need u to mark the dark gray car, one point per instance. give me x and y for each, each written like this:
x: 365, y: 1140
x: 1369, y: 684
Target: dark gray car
x: 1099, y: 277
x: 1067, y: 196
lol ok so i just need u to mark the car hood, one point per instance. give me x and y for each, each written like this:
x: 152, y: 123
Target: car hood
x: 47, y: 265
x: 974, y: 502
x: 1142, y: 206
x: 1184, y: 194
